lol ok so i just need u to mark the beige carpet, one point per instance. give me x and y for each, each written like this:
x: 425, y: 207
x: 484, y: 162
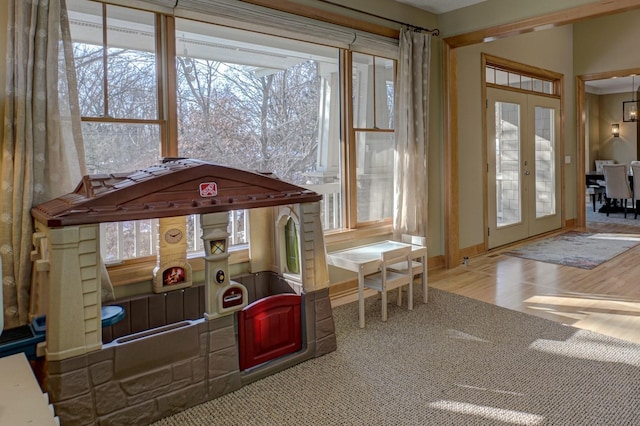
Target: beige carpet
x: 453, y: 361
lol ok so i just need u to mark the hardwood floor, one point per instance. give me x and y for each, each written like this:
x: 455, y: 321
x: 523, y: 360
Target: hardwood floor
x: 605, y: 299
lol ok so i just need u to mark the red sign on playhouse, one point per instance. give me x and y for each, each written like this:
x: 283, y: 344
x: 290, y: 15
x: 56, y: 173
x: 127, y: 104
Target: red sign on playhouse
x: 208, y: 189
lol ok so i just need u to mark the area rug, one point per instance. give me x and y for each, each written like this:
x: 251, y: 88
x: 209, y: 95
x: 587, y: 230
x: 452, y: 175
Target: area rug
x: 578, y: 249
x: 452, y: 361
x: 613, y: 218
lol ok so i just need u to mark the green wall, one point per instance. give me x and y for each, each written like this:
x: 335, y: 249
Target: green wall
x: 492, y: 13
x: 607, y: 44
x: 602, y: 145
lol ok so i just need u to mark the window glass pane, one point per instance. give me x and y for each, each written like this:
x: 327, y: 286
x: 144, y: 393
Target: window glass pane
x: 131, y: 77
x: 291, y: 247
x: 373, y: 92
x: 117, y: 147
x: 85, y: 22
x: 385, y: 75
x: 490, y: 74
x: 514, y: 80
x: 375, y: 157
x: 508, y: 205
x: 537, y: 85
x: 502, y: 77
x: 545, y: 167
x: 131, y: 64
x: 261, y: 103
x: 127, y: 240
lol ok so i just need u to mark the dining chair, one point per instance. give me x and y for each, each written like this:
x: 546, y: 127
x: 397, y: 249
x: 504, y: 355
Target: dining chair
x: 598, y: 190
x: 386, y: 280
x: 616, y: 179
x: 635, y: 171
x: 417, y: 267
x: 600, y: 163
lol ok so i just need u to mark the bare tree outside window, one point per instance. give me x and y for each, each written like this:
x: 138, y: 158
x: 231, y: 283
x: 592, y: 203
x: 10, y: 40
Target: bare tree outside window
x: 263, y: 104
x: 228, y: 114
x: 238, y: 98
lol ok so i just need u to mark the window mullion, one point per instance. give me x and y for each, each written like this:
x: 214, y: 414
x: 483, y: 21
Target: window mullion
x: 168, y: 84
x: 105, y: 62
x: 373, y: 93
x: 349, y: 146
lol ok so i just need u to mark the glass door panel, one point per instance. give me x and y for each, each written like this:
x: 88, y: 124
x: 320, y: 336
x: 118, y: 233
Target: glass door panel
x: 507, y: 151
x: 545, y: 164
x: 545, y: 214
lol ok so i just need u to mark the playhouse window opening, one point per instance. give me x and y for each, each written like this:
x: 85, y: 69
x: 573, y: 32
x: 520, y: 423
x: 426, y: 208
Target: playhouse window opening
x: 291, y: 247
x: 139, y: 238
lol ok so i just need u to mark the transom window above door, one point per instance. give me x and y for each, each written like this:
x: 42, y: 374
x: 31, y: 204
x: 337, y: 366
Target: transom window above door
x: 497, y: 75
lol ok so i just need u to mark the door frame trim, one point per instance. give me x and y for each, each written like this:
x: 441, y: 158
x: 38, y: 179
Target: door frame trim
x: 581, y: 133
x: 451, y: 192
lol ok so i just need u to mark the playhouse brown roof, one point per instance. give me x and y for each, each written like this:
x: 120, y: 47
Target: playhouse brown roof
x: 177, y: 187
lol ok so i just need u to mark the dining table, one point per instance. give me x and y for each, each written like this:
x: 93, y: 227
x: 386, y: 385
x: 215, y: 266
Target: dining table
x: 366, y: 260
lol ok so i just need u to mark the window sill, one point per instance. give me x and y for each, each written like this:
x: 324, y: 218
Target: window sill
x: 339, y: 237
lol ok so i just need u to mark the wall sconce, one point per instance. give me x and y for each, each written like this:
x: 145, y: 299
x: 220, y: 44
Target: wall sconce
x: 615, y: 130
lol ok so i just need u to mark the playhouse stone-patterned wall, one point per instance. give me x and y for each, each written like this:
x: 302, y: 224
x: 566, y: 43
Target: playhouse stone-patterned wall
x: 140, y: 378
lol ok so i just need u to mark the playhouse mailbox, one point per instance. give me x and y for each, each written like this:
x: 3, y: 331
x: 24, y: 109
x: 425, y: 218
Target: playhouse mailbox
x: 232, y: 298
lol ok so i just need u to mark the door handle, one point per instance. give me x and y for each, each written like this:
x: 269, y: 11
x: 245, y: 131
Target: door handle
x: 527, y: 173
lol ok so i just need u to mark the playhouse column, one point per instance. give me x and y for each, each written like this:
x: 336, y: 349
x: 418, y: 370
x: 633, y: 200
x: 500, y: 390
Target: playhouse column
x: 315, y: 271
x: 222, y: 297
x: 73, y: 314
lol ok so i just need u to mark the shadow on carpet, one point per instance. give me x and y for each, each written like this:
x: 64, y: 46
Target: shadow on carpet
x: 578, y: 249
x: 452, y: 361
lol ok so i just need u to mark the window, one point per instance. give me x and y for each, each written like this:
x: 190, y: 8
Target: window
x: 291, y: 247
x: 154, y: 85
x: 117, y: 85
x: 118, y: 94
x: 373, y: 93
x: 500, y: 76
x: 261, y: 103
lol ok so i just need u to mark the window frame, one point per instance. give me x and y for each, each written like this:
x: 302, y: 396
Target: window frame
x: 165, y: 39
x: 351, y: 168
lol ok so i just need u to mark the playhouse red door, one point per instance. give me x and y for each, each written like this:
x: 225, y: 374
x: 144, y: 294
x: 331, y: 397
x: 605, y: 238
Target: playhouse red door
x: 269, y: 328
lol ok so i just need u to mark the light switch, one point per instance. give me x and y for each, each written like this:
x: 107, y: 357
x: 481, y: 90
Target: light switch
x: 567, y: 159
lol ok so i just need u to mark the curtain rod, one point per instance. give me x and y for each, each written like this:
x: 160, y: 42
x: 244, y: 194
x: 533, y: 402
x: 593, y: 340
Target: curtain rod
x: 434, y: 32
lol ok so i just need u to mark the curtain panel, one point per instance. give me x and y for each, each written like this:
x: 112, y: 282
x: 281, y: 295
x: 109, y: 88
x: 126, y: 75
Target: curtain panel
x: 412, y: 124
x: 42, y: 149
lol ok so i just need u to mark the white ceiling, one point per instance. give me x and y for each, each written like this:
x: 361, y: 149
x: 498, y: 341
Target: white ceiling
x: 440, y: 6
x: 612, y: 85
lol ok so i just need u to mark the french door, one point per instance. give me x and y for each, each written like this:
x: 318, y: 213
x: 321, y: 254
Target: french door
x: 523, y: 165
